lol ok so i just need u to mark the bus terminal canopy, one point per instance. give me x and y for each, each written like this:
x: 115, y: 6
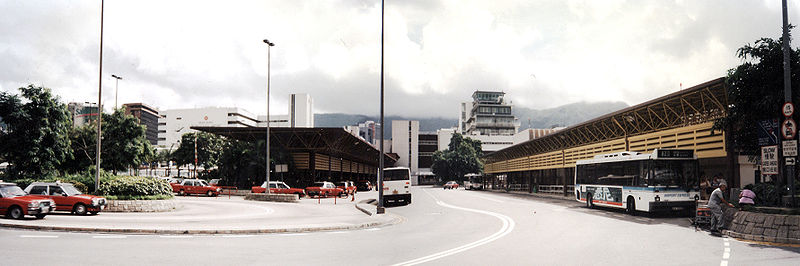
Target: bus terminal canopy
x: 331, y: 141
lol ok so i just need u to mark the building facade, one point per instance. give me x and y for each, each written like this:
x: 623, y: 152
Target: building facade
x: 147, y: 116
x: 172, y: 124
x: 405, y: 143
x: 300, y: 113
x: 489, y: 114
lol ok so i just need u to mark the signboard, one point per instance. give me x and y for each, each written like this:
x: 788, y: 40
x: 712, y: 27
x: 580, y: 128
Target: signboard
x: 790, y: 161
x: 789, y: 128
x: 788, y: 109
x: 769, y: 160
x: 789, y: 148
x: 687, y: 154
x: 768, y: 132
x: 281, y: 168
x: 606, y: 195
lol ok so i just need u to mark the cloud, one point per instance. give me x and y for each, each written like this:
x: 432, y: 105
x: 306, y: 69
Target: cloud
x: 182, y: 54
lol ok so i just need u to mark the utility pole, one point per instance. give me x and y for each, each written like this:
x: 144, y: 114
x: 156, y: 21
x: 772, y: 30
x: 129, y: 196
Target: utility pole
x: 99, y: 103
x: 787, y: 97
x: 381, y: 209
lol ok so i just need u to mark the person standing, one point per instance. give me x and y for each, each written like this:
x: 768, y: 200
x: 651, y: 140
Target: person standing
x: 714, y: 203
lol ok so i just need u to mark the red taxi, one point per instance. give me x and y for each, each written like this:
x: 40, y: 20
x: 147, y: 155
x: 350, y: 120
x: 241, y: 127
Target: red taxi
x: 15, y: 203
x: 195, y: 186
x: 348, y: 187
x: 323, y: 189
x: 278, y: 187
x: 67, y: 197
x: 450, y: 185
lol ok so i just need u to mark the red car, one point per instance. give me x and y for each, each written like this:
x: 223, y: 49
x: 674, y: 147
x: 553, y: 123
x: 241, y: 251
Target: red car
x: 323, y: 189
x: 278, y: 187
x: 15, y: 203
x: 451, y: 185
x: 195, y: 186
x: 347, y: 186
x: 67, y: 197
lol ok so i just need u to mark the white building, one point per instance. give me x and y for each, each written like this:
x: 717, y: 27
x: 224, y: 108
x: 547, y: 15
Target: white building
x: 174, y: 123
x: 405, y: 143
x: 487, y: 118
x: 300, y: 113
x: 445, y: 134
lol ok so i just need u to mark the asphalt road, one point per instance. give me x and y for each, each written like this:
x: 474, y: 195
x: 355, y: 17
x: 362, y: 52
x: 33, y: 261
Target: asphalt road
x: 441, y: 227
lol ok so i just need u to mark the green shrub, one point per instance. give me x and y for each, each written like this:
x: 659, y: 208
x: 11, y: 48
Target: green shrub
x: 151, y: 197
x: 123, y: 186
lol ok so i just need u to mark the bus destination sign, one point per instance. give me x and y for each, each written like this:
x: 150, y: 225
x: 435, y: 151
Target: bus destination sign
x: 682, y: 154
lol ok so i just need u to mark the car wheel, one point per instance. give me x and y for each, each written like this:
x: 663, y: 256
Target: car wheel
x: 182, y: 193
x: 79, y: 209
x: 631, y: 207
x: 210, y: 193
x: 40, y: 216
x: 15, y: 212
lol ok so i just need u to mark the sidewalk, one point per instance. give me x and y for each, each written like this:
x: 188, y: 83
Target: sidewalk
x: 218, y: 215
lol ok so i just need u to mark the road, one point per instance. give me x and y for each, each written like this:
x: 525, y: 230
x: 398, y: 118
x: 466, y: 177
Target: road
x: 441, y: 227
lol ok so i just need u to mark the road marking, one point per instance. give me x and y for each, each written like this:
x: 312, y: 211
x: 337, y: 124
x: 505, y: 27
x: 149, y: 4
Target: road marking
x: 294, y: 234
x: 372, y: 229
x: 175, y: 236
x: 727, y: 253
x: 110, y: 237
x: 37, y: 236
x: 338, y: 232
x: 508, y: 226
x: 727, y: 244
x: 237, y: 236
x: 723, y: 263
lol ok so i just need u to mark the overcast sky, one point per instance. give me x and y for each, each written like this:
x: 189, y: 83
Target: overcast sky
x: 184, y: 54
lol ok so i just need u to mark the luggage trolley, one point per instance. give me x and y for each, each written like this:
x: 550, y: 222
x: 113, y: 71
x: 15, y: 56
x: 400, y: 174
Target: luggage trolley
x: 702, y: 217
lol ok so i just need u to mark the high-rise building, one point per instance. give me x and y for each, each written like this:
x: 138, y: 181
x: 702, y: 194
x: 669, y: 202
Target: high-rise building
x: 301, y: 113
x: 405, y: 143
x: 489, y: 114
x: 82, y: 113
x: 148, y: 117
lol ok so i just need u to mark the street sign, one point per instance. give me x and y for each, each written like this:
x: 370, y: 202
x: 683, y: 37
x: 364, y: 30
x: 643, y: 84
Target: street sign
x: 789, y: 128
x: 789, y: 148
x: 281, y: 168
x: 769, y: 160
x: 790, y: 160
x: 788, y: 109
x: 768, y: 132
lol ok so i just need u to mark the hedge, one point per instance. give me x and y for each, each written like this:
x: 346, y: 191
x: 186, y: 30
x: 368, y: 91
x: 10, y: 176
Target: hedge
x: 134, y: 186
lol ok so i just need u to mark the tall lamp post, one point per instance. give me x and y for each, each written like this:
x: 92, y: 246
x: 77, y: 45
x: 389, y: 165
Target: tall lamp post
x: 99, y: 102
x: 380, y: 209
x: 116, y: 91
x: 269, y: 44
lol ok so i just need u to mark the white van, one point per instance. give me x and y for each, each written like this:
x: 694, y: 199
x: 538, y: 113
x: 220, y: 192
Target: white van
x: 396, y: 186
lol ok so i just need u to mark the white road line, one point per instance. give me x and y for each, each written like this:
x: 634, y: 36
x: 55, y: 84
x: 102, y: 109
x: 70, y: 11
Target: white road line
x: 727, y: 244
x: 294, y: 234
x: 723, y: 263
x: 237, y: 236
x: 37, y: 236
x: 110, y: 237
x: 508, y: 226
x: 372, y: 229
x: 338, y: 232
x: 727, y: 254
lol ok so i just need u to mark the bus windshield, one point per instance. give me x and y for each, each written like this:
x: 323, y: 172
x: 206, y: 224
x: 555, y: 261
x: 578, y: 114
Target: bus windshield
x: 395, y: 174
x: 672, y: 173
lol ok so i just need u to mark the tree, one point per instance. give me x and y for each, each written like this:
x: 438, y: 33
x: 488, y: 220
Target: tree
x: 83, y: 143
x: 209, y: 148
x: 461, y: 158
x: 755, y: 92
x: 124, y: 144
x: 36, y: 142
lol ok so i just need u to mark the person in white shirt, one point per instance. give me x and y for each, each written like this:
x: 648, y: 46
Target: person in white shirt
x: 714, y: 203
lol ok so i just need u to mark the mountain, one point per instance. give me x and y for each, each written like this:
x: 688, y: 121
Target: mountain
x: 564, y: 115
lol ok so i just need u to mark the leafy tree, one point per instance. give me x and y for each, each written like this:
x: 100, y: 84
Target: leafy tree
x: 36, y: 142
x: 461, y: 158
x: 755, y: 92
x: 83, y: 143
x: 124, y: 142
x: 209, y: 148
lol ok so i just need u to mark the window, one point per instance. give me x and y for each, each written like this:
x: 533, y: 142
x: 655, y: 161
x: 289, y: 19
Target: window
x: 39, y: 190
x: 56, y: 191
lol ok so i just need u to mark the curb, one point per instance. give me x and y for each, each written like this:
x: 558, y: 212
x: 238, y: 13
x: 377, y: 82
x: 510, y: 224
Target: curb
x: 394, y: 220
x: 776, y: 241
x: 364, y: 210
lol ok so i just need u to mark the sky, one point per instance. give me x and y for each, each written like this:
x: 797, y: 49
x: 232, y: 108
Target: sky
x: 543, y: 54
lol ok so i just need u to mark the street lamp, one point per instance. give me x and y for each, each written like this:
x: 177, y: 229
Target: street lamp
x: 116, y: 92
x: 99, y: 102
x: 269, y: 44
x: 380, y: 209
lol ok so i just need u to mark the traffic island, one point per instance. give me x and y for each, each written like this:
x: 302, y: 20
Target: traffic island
x: 272, y: 197
x: 765, y: 227
x: 143, y: 205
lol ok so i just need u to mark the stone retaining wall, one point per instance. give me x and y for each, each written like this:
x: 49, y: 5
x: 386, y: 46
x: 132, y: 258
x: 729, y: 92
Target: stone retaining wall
x: 774, y: 228
x: 272, y: 197
x: 142, y: 205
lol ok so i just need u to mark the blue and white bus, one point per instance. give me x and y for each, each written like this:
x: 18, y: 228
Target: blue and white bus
x: 664, y: 180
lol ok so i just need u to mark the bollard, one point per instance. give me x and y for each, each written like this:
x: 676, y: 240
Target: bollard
x: 319, y: 199
x: 354, y: 197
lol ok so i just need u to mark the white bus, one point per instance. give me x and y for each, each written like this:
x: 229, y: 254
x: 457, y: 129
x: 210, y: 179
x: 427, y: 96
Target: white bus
x: 664, y: 180
x: 396, y: 186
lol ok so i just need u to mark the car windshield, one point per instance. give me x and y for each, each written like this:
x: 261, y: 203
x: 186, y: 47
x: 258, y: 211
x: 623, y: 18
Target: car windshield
x: 318, y: 184
x: 202, y: 183
x: 11, y: 191
x: 71, y: 190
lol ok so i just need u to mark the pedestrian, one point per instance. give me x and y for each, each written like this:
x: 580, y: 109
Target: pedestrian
x: 746, y: 197
x: 705, y: 186
x: 714, y: 203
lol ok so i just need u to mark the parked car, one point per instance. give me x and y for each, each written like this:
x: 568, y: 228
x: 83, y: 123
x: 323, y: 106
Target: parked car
x: 215, y: 182
x: 348, y: 187
x: 15, y: 203
x: 278, y: 187
x: 67, y: 197
x: 323, y: 189
x: 195, y: 186
x: 451, y: 185
x: 363, y: 185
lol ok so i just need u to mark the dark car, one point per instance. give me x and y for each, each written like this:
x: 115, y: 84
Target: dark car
x: 363, y: 185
